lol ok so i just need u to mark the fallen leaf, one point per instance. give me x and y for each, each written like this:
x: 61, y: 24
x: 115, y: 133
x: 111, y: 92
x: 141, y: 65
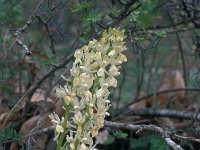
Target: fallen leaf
x: 14, y: 146
x: 39, y: 96
x: 28, y: 125
x: 40, y: 142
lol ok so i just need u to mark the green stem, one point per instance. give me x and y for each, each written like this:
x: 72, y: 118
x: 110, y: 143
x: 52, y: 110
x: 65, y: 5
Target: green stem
x: 96, y: 83
x: 62, y: 136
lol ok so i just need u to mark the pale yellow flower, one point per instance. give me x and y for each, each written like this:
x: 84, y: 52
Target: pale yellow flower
x: 114, y: 71
x: 99, y: 93
x: 61, y: 92
x: 112, y: 53
x: 122, y: 58
x: 100, y: 72
x: 113, y: 82
x: 78, y: 118
x: 85, y: 48
x: 83, y: 147
x: 94, y: 131
x: 87, y: 90
x: 59, y: 129
x: 67, y: 99
x: 98, y: 56
x: 72, y: 146
x: 78, y: 54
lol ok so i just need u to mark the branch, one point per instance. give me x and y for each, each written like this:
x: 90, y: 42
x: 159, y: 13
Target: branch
x: 36, y: 133
x: 164, y: 113
x: 181, y: 49
x: 121, y: 3
x: 51, y: 128
x: 167, y: 26
x: 49, y: 33
x: 184, y: 66
x: 170, y: 30
x: 158, y: 93
x: 139, y: 128
x: 124, y: 13
x: 22, y: 29
x: 27, y: 96
x: 185, y: 138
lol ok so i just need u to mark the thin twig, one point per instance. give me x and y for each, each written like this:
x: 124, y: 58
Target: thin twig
x: 120, y: 88
x: 27, y: 96
x: 49, y: 33
x: 22, y: 29
x: 188, y: 115
x: 32, y: 134
x: 182, y: 59
x: 185, y: 138
x: 156, y: 94
x: 170, y: 30
x: 139, y: 128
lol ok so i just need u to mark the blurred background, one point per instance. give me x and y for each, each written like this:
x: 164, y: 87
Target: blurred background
x: 159, y: 84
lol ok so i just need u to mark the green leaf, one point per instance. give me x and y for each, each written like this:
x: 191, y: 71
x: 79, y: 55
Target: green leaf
x: 139, y: 38
x: 78, y: 7
x: 93, y: 17
x: 145, y: 14
x: 145, y: 20
x: 88, y: 20
x: 51, y: 59
x: 9, y: 134
x: 120, y: 134
x: 110, y: 140
x: 11, y: 11
x: 12, y: 101
x: 161, y: 33
x: 115, y: 11
x: 151, y: 142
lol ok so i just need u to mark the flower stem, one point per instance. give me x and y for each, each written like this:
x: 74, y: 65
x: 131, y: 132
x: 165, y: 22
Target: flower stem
x: 96, y: 83
x: 62, y: 136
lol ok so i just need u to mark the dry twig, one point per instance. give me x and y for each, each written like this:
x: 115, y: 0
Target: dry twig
x: 139, y: 128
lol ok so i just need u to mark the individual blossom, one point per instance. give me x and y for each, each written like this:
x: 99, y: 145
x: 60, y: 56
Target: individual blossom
x: 58, y: 124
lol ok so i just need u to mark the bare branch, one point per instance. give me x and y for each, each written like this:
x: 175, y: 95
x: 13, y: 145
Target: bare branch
x: 154, y: 31
x: 49, y: 33
x: 139, y: 128
x: 158, y: 93
x: 27, y: 96
x: 188, y: 115
x: 22, y: 29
